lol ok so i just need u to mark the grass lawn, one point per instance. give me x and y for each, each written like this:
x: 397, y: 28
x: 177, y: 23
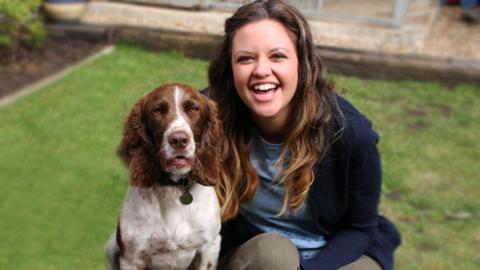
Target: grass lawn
x: 62, y: 184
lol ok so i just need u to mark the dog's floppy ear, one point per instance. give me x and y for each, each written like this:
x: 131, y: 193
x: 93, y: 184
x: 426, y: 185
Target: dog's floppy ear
x: 206, y: 170
x: 136, y: 148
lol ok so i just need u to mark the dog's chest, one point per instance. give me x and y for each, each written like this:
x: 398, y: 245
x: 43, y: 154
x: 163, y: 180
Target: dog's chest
x: 154, y: 219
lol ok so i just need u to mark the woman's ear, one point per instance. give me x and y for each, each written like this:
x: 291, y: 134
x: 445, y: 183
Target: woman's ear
x: 206, y: 170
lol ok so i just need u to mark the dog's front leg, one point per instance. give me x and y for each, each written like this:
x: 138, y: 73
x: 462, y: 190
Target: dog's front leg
x: 207, y: 255
x: 129, y: 264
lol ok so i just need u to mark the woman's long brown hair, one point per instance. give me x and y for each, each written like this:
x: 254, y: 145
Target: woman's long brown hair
x: 312, y: 120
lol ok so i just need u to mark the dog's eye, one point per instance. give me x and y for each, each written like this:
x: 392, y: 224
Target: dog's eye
x: 161, y: 109
x: 190, y: 106
x: 195, y: 108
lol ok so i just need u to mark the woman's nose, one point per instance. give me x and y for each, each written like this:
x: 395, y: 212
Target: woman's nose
x: 262, y: 69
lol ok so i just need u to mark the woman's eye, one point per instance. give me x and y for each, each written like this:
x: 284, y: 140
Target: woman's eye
x: 244, y: 59
x: 279, y: 56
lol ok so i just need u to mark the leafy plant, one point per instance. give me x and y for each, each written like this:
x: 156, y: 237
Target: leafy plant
x: 20, y: 22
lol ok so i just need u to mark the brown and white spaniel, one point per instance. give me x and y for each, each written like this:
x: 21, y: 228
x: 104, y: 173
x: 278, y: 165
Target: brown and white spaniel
x: 171, y: 216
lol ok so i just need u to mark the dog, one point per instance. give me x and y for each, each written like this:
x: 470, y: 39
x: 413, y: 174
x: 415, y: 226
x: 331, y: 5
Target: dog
x: 171, y: 215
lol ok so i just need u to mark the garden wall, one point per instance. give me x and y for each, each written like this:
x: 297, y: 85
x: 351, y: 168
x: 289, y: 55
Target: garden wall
x: 344, y: 61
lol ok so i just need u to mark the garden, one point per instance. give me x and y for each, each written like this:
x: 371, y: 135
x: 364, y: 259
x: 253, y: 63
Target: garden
x: 63, y: 185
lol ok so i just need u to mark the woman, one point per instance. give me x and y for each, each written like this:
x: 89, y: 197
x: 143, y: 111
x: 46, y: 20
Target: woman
x: 301, y: 181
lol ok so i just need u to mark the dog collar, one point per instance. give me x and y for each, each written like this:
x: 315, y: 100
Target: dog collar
x: 186, y: 198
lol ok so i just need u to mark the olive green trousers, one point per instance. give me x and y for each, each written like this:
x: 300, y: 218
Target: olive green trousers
x: 269, y: 251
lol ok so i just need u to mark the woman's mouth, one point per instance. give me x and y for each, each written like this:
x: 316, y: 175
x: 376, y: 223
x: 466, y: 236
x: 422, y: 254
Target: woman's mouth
x: 264, y: 90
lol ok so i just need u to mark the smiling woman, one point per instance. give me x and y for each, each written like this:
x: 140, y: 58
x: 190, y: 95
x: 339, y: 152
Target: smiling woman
x: 265, y: 68
x: 302, y: 175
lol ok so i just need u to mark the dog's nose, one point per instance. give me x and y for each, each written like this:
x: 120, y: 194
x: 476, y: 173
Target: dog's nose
x: 178, y: 140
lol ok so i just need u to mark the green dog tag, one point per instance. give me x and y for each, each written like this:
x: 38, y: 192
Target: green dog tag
x: 186, y: 198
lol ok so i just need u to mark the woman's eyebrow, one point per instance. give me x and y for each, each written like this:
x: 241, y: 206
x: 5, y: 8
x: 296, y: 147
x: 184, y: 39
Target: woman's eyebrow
x: 270, y: 51
x: 279, y: 49
x: 242, y: 51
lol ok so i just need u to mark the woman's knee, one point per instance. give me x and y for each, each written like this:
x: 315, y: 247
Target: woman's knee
x: 362, y: 263
x: 265, y: 251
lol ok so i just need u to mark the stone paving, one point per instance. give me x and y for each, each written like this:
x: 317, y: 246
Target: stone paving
x: 428, y: 29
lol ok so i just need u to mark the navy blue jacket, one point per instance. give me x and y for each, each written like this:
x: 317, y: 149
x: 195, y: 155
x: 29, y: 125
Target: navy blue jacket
x: 344, y: 198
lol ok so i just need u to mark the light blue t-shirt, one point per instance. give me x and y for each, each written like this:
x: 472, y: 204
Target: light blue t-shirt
x: 268, y: 201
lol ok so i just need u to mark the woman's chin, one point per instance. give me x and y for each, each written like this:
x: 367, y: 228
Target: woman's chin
x: 266, y: 113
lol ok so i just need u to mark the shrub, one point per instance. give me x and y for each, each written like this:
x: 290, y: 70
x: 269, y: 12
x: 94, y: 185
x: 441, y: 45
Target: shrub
x: 20, y: 22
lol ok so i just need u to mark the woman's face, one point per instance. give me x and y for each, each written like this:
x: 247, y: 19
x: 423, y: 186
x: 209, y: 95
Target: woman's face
x: 265, y: 69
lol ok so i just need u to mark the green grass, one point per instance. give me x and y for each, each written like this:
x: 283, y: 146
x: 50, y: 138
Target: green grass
x: 430, y: 160
x: 62, y: 185
x: 61, y: 182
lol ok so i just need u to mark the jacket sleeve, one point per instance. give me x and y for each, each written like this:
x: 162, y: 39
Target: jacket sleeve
x: 359, y: 220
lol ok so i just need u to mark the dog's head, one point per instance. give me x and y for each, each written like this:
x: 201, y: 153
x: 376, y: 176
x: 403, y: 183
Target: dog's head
x: 173, y: 130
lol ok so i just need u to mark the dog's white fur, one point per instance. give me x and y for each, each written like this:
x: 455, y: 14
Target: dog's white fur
x: 159, y: 232
x: 179, y: 124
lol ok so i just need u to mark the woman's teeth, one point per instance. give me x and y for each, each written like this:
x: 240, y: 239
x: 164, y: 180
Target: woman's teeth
x: 264, y: 87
